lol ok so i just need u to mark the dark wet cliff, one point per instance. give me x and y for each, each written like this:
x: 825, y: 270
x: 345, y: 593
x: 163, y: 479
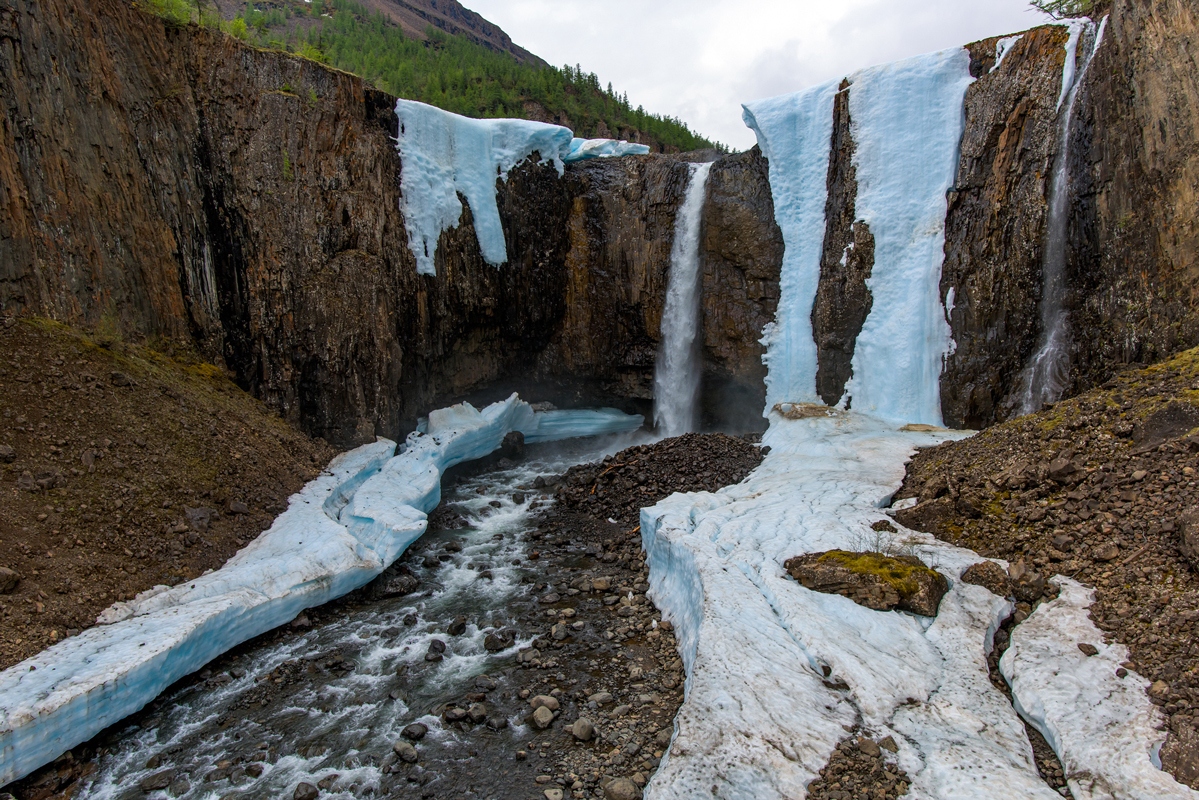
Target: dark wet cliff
x: 176, y: 184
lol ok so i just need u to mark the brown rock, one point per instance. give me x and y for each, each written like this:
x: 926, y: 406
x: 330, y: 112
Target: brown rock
x: 1187, y: 528
x: 872, y: 580
x: 931, y: 516
x: 990, y: 576
x: 9, y: 580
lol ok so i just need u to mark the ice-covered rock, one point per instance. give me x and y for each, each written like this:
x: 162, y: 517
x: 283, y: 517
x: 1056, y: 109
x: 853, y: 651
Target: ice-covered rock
x: 338, y: 532
x: 444, y: 155
x: 585, y: 149
x: 1103, y: 727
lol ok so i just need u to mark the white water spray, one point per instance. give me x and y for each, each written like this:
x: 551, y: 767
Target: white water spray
x: 1048, y: 373
x: 676, y: 378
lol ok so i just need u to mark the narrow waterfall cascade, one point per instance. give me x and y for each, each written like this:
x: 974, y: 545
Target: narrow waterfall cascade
x: 1048, y: 372
x: 677, y: 374
x: 778, y: 675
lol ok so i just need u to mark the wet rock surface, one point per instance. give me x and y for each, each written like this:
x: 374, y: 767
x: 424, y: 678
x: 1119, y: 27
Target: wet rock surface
x: 638, y: 477
x: 874, y: 580
x: 1100, y: 488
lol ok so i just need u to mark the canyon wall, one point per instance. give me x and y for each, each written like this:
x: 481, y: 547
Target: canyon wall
x: 175, y: 184
x: 1134, y: 232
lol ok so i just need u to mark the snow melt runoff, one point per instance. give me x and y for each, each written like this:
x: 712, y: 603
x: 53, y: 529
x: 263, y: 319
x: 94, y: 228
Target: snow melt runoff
x: 339, y: 532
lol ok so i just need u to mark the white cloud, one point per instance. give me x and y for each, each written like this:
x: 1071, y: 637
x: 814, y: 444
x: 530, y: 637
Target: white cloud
x: 699, y: 60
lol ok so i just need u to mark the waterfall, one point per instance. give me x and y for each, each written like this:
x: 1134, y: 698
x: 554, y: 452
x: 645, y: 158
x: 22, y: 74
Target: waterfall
x: 677, y: 374
x: 1048, y: 373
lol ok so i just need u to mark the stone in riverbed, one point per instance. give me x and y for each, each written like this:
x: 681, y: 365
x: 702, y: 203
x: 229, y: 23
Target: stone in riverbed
x: 306, y: 791
x: 416, y: 731
x: 545, y: 700
x: 156, y: 782
x: 583, y: 729
x: 622, y: 789
x: 874, y: 580
x: 406, y: 752
x: 543, y: 718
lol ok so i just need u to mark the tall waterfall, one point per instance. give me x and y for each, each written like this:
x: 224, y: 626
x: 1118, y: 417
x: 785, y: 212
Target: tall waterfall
x: 1048, y: 373
x: 676, y: 377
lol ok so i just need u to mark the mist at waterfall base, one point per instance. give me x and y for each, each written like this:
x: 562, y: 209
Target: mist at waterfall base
x: 1048, y: 372
x: 678, y: 370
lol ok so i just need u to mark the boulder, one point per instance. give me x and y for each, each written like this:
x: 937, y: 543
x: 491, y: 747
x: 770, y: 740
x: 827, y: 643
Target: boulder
x: 583, y: 729
x: 933, y: 516
x: 874, y: 580
x: 9, y: 580
x: 990, y: 576
x: 542, y: 718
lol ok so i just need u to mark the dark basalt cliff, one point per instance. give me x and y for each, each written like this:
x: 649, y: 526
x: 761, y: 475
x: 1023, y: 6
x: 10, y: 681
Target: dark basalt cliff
x: 176, y: 184
x: 996, y: 225
x: 173, y: 183
x: 1133, y: 269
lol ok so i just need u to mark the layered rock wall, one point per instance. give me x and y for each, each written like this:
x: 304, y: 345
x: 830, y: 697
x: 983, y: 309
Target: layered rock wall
x: 1134, y: 229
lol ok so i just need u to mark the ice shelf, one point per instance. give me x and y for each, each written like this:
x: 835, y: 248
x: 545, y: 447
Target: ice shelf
x: 586, y: 149
x: 444, y: 154
x: 338, y: 532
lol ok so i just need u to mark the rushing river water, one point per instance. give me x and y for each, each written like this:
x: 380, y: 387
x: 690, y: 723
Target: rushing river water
x: 324, y: 706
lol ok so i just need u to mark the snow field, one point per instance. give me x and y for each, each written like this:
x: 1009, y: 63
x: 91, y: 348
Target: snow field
x: 761, y: 718
x: 1104, y: 728
x: 338, y: 533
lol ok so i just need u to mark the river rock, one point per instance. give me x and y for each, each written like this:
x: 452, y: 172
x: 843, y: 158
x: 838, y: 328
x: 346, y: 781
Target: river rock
x: 157, y: 782
x: 513, y: 446
x: 306, y: 791
x: 457, y: 627
x: 406, y: 752
x: 622, y: 789
x: 543, y: 718
x: 873, y: 580
x: 544, y: 700
x: 583, y: 729
x: 416, y: 731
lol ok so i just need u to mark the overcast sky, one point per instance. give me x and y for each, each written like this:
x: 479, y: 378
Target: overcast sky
x: 699, y: 60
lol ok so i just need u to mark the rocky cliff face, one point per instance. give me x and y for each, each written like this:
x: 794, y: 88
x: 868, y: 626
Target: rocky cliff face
x: 995, y: 228
x: 174, y: 183
x: 1134, y: 232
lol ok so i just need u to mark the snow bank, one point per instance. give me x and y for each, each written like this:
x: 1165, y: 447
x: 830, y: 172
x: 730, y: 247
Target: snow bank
x: 907, y: 124
x: 586, y: 149
x: 338, y: 533
x: 445, y: 154
x: 1103, y: 727
x: 1003, y: 47
x: 760, y: 717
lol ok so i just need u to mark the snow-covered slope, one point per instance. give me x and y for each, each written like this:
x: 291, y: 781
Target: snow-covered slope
x: 339, y: 532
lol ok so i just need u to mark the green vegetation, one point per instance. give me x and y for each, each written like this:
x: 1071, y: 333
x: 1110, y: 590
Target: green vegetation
x: 898, y: 573
x: 449, y: 72
x: 1061, y: 9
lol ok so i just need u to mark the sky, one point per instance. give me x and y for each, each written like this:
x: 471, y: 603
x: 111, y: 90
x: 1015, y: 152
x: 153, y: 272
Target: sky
x: 699, y: 60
